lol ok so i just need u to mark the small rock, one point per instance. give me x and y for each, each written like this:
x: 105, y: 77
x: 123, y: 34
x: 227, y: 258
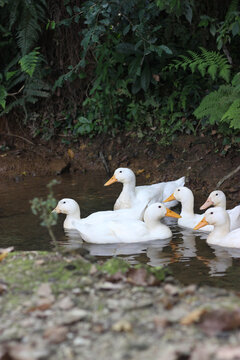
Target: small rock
x: 171, y: 289
x: 80, y: 341
x: 74, y: 315
x: 44, y: 290
x: 65, y: 303
x: 109, y: 286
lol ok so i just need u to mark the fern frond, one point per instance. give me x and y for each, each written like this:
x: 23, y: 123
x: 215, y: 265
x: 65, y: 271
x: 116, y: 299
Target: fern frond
x: 28, y: 62
x: 214, y: 63
x: 232, y: 115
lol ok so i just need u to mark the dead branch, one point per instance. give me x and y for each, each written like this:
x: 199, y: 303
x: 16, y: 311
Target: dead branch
x: 20, y: 137
x: 228, y: 176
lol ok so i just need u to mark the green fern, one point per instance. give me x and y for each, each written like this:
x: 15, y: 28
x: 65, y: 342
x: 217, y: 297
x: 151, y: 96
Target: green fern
x: 211, y: 62
x: 28, y: 62
x: 222, y: 105
x: 232, y: 115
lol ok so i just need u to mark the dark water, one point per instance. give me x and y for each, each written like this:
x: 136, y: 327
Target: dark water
x: 187, y: 255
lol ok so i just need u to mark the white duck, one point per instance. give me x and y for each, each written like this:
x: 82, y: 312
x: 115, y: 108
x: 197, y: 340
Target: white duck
x: 130, y: 231
x: 218, y: 198
x: 221, y: 235
x: 131, y: 195
x: 188, y: 218
x: 73, y: 219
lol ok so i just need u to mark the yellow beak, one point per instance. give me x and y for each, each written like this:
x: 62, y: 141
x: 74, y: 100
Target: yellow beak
x: 171, y: 213
x: 170, y: 198
x: 111, y: 181
x: 202, y: 223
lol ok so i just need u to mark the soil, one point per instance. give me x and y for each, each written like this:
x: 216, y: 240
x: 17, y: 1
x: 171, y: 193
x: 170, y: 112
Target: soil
x: 203, y: 159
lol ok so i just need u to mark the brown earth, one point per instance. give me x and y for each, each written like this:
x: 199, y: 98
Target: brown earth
x: 200, y: 159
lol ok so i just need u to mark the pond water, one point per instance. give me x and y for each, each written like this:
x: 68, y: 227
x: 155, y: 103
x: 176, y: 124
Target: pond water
x: 187, y: 255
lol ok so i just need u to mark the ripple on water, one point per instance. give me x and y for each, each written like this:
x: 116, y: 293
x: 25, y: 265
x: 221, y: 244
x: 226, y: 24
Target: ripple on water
x: 187, y: 254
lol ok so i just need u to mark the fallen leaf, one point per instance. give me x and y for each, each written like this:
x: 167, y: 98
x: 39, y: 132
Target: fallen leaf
x: 16, y: 351
x: 4, y: 252
x: 56, y: 334
x: 141, y: 277
x: 70, y: 153
x: 139, y: 171
x: 228, y: 353
x: 3, y: 287
x: 82, y: 146
x: 41, y: 307
x: 193, y: 316
x: 122, y: 326
x: 213, y: 322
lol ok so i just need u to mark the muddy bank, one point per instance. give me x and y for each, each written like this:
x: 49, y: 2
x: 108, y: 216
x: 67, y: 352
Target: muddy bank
x: 203, y: 160
x: 63, y: 306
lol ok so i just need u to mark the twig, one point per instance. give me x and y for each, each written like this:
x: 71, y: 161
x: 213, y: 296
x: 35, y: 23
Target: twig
x: 228, y: 176
x: 13, y: 94
x: 18, y: 136
x: 104, y: 162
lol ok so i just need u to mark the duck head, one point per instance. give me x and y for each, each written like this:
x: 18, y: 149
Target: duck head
x: 216, y: 198
x: 68, y: 207
x: 216, y: 216
x: 123, y: 175
x: 180, y: 194
x: 157, y: 211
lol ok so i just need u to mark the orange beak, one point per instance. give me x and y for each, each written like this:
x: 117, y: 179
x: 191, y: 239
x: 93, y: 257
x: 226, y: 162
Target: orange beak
x: 202, y: 223
x: 111, y: 181
x: 207, y: 204
x: 170, y: 198
x: 171, y: 213
x: 56, y: 210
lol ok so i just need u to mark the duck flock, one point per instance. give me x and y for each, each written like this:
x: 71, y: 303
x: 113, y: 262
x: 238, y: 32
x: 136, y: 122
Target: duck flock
x: 138, y: 211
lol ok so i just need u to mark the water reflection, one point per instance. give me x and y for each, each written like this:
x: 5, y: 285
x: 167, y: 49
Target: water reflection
x: 187, y: 254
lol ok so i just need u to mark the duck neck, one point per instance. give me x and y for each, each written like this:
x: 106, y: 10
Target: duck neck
x: 70, y: 218
x: 222, y: 203
x: 128, y: 189
x: 219, y: 232
x: 187, y: 206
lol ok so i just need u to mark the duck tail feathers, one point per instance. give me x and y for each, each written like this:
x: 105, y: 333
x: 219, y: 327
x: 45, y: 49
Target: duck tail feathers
x: 180, y: 181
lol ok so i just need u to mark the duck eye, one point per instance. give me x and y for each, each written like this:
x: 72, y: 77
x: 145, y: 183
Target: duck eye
x: 178, y: 189
x: 216, y: 194
x: 159, y: 207
x: 211, y: 212
x: 120, y: 171
x: 64, y: 202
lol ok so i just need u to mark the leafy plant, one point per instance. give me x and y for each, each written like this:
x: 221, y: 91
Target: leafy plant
x: 43, y: 208
x: 207, y: 62
x: 222, y: 105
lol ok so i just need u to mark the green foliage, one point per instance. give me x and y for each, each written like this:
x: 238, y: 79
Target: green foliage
x: 118, y: 65
x: 114, y: 265
x: 222, y: 105
x: 207, y: 62
x: 226, y: 30
x: 21, y: 69
x: 43, y: 208
x: 29, y: 61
